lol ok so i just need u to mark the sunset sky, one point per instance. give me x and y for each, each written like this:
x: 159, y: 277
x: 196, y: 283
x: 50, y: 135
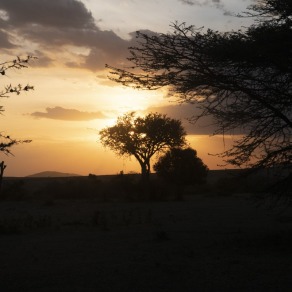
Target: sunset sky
x: 73, y: 98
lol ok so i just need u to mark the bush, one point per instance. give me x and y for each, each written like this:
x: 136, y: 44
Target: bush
x: 181, y: 167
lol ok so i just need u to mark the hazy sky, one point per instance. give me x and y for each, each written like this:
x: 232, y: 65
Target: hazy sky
x: 73, y: 98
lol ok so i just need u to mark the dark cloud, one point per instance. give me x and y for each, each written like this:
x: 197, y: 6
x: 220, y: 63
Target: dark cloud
x: 201, y: 2
x: 184, y: 112
x: 60, y: 113
x: 42, y: 59
x: 4, y: 41
x: 97, y: 58
x: 188, y: 2
x: 216, y: 3
x: 53, y: 25
x: 53, y: 37
x: 54, y: 13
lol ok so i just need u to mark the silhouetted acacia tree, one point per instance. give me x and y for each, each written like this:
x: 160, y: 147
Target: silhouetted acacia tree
x: 143, y: 137
x: 243, y: 79
x: 181, y: 166
x: 6, y: 142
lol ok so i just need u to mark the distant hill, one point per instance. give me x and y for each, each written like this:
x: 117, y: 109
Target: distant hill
x: 52, y: 174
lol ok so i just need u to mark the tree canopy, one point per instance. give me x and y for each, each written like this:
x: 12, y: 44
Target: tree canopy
x: 243, y: 79
x: 143, y: 137
x: 181, y: 166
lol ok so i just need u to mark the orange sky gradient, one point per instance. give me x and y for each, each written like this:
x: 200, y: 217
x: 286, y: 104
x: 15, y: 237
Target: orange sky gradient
x: 73, y: 97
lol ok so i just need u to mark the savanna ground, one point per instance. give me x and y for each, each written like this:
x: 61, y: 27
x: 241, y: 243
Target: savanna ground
x: 108, y: 234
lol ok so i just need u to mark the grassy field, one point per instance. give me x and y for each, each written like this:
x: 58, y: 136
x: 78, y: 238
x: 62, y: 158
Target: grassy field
x: 109, y: 234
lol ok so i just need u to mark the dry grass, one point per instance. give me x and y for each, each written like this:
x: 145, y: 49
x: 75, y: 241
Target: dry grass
x: 55, y: 239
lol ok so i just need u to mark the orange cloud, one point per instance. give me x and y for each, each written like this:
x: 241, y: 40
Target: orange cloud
x: 60, y: 113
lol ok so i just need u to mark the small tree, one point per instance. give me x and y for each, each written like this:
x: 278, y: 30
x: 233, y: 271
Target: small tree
x: 181, y: 167
x: 143, y: 137
x: 6, y: 142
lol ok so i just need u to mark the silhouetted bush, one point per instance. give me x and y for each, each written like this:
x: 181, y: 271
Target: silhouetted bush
x: 181, y: 167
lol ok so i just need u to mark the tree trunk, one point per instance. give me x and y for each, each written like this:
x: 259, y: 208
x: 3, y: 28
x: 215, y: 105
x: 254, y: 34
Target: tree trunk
x: 145, y: 170
x: 2, y: 168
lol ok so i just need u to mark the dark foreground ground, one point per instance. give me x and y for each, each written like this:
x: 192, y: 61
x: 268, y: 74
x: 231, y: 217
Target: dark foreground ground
x: 205, y: 243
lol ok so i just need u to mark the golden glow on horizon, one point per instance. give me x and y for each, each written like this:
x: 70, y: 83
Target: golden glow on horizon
x: 70, y: 145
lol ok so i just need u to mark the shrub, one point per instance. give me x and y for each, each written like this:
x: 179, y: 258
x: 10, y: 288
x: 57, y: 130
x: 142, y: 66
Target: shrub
x: 181, y: 166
